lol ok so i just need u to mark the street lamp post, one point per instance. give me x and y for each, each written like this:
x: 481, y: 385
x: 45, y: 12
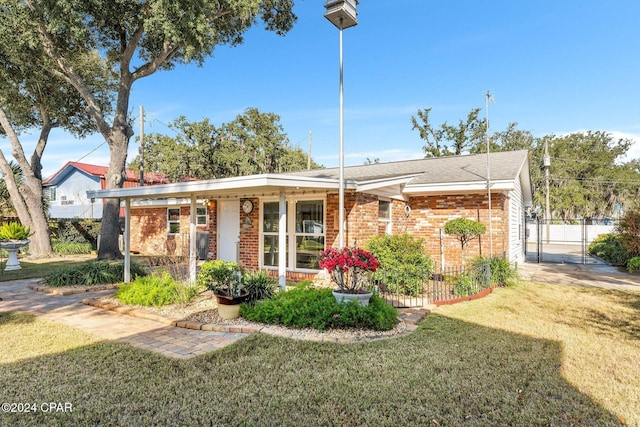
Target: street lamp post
x: 342, y: 14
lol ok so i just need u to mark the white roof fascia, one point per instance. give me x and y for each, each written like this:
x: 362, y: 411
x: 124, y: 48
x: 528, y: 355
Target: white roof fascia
x: 459, y: 187
x: 183, y: 189
x: 169, y: 201
x: 367, y: 186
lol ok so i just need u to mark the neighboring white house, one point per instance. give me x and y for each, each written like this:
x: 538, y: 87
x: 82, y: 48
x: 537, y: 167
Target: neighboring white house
x: 67, y: 189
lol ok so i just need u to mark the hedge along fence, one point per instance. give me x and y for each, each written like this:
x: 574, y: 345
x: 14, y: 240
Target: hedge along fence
x: 75, y: 230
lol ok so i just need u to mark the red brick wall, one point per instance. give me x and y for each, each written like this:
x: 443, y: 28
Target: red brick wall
x: 426, y: 219
x: 149, y: 232
x: 250, y: 237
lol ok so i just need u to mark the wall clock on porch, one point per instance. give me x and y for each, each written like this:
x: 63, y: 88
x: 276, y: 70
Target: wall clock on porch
x: 247, y: 206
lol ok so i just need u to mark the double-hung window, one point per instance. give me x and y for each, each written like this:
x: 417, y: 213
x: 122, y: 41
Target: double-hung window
x: 270, y: 232
x: 201, y: 215
x: 384, y: 216
x: 173, y: 220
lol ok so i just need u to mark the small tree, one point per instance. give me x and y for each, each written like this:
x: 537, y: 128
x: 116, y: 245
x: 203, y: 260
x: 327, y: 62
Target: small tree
x: 465, y: 230
x: 629, y: 231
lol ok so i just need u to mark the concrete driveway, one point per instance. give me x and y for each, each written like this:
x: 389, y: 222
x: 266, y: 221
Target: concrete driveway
x: 591, y: 275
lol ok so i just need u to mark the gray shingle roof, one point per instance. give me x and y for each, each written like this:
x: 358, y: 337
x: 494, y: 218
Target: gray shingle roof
x: 505, y: 165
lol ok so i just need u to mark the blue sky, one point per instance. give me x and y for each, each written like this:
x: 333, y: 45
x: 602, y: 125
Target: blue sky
x: 552, y: 66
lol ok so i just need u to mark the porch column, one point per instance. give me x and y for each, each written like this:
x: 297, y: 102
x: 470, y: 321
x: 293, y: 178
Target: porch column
x: 282, y: 241
x: 192, y: 240
x: 127, y: 238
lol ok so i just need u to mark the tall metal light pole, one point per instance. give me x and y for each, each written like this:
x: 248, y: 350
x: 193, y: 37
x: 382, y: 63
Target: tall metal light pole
x: 342, y: 14
x: 488, y: 98
x: 547, y: 208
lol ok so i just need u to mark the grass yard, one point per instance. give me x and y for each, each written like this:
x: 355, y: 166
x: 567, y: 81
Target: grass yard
x: 41, y: 267
x: 528, y: 355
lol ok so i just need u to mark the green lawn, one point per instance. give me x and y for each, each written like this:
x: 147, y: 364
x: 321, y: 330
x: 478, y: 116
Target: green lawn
x: 41, y: 267
x: 528, y: 355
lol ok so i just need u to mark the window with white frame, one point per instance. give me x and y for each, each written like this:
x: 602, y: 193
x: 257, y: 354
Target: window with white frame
x: 52, y: 193
x: 270, y: 231
x: 308, y: 235
x: 201, y: 215
x: 173, y: 220
x: 384, y: 215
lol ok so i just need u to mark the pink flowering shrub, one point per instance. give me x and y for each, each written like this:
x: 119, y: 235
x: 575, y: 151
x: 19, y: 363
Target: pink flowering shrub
x: 350, y: 268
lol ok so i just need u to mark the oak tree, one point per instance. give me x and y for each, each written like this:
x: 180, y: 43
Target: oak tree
x: 136, y: 39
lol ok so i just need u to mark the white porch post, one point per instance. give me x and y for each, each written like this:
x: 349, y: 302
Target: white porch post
x: 282, y: 241
x: 127, y: 238
x: 192, y: 240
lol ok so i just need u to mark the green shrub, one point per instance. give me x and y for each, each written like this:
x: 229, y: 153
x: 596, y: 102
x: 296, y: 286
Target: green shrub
x: 466, y: 284
x: 156, y: 289
x: 305, y: 306
x: 633, y: 264
x: 67, y: 248
x: 75, y: 230
x: 92, y: 273
x: 610, y: 248
x: 502, y: 272
x: 259, y: 285
x: 404, y: 263
x: 221, y: 277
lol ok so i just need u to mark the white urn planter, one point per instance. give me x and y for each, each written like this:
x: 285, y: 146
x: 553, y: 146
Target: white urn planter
x: 362, y: 297
x: 12, y: 246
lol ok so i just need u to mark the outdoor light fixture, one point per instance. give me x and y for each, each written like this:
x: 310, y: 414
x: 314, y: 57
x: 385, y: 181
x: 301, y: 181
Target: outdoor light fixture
x: 342, y: 14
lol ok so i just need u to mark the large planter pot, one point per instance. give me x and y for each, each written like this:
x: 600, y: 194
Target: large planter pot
x: 229, y: 306
x: 13, y: 263
x: 362, y: 297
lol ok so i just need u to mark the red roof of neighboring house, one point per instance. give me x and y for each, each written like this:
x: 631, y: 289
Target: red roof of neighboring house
x: 131, y: 177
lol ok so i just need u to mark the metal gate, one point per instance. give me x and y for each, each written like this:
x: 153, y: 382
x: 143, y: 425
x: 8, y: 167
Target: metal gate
x: 563, y: 242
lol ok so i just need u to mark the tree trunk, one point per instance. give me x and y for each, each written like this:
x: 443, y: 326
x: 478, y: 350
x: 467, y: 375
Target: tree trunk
x: 27, y: 198
x: 110, y: 230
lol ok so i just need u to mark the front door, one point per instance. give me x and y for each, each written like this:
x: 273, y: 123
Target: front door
x: 228, y: 230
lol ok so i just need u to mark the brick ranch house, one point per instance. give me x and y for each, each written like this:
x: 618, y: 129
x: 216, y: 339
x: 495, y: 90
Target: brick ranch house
x: 254, y: 219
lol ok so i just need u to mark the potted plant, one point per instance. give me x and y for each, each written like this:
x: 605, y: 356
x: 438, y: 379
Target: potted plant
x: 350, y: 270
x: 224, y: 279
x: 13, y: 236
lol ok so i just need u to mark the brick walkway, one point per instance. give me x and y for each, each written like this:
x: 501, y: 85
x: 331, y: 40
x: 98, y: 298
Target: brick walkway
x: 142, y: 333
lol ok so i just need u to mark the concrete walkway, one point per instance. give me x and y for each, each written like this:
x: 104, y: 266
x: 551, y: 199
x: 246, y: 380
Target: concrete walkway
x: 142, y: 333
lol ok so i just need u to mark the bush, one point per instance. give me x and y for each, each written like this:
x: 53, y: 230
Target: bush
x: 502, y: 272
x: 404, y: 263
x: 610, y: 248
x: 220, y: 276
x: 466, y: 284
x: 629, y: 231
x: 66, y: 248
x: 305, y: 306
x: 633, y: 264
x: 76, y: 231
x: 92, y: 273
x: 259, y: 285
x: 156, y: 290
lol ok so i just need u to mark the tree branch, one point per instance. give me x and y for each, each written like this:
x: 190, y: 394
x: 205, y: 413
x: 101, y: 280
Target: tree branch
x: 69, y: 74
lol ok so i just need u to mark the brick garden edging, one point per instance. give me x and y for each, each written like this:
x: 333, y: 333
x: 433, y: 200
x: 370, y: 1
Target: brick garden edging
x: 411, y: 318
x: 65, y: 290
x: 479, y: 295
